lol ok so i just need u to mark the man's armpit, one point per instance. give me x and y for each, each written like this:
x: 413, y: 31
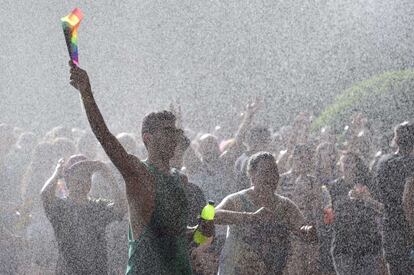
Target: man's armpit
x: 135, y: 166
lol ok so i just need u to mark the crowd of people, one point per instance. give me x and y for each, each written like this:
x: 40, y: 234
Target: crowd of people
x: 288, y: 201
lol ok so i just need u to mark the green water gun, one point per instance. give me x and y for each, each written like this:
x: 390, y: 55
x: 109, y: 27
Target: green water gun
x: 207, y: 214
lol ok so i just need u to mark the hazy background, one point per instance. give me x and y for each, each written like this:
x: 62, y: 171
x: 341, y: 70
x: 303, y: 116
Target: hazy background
x: 209, y: 55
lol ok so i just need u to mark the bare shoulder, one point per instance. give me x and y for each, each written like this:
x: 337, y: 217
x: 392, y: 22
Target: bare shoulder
x: 233, y: 201
x: 286, y: 203
x: 291, y: 212
x: 139, y: 181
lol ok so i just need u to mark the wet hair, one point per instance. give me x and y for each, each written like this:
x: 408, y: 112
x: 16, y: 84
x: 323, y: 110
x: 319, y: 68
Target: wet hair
x: 208, y: 143
x: 73, y: 160
x: 404, y: 134
x: 362, y: 173
x: 303, y: 150
x: 153, y: 121
x: 78, y: 173
x: 258, y: 134
x: 183, y: 142
x: 255, y: 159
x: 302, y: 156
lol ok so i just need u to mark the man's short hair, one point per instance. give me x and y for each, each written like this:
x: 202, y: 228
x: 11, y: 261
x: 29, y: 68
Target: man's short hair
x: 258, y: 134
x: 153, y: 121
x: 183, y: 142
x: 80, y: 171
x: 255, y: 159
x: 303, y: 150
x: 73, y: 160
x: 404, y: 134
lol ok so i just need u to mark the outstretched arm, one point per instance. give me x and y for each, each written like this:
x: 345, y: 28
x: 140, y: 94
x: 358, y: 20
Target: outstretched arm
x: 227, y: 217
x: 113, y: 148
x: 227, y: 214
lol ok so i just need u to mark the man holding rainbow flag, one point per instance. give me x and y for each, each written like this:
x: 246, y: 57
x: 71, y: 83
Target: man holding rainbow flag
x: 158, y: 234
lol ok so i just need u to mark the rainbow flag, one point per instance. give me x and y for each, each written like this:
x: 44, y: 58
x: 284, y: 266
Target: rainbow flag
x: 70, y: 24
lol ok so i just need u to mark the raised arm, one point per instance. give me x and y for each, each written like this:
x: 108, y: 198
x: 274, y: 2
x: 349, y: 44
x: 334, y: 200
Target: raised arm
x: 408, y: 202
x: 251, y: 110
x: 48, y: 191
x: 113, y: 148
x: 231, y: 155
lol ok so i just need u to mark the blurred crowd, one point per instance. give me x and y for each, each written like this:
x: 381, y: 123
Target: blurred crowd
x: 354, y: 186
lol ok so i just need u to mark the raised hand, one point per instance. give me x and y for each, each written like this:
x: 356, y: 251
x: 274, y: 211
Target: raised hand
x: 176, y: 110
x: 60, y: 167
x: 79, y: 78
x: 48, y: 190
x: 309, y: 233
x: 252, y: 107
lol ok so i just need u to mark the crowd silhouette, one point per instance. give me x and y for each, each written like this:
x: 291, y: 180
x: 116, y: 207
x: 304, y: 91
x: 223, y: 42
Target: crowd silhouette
x: 289, y: 201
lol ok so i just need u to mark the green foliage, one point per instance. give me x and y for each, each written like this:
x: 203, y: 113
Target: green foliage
x: 386, y: 100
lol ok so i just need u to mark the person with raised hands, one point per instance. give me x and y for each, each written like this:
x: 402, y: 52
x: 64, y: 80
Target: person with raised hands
x: 79, y: 221
x: 156, y: 195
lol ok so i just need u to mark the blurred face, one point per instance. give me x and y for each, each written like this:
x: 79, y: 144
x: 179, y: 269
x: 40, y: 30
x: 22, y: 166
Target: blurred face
x: 164, y: 140
x: 347, y: 166
x: 266, y: 176
x: 302, y: 163
x: 359, y: 121
x: 27, y: 141
x: 209, y: 148
x: 79, y: 187
x: 177, y: 160
x: 263, y: 143
x: 328, y: 155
